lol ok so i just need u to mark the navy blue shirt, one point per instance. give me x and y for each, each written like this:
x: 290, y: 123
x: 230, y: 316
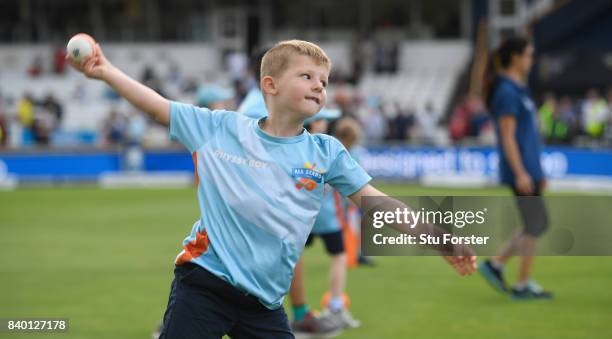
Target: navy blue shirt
x: 512, y: 99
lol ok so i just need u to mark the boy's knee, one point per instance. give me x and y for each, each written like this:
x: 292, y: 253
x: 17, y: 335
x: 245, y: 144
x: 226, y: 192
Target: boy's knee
x: 339, y: 256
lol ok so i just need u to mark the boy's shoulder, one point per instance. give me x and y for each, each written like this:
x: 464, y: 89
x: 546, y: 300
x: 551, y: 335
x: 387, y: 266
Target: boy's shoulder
x: 323, y: 138
x: 327, y: 142
x: 224, y: 115
x: 179, y: 105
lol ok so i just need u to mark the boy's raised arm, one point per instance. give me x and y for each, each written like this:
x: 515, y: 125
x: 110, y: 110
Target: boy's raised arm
x: 139, y: 95
x: 460, y: 257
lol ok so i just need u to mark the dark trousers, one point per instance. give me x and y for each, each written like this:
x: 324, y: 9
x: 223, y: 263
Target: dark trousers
x: 202, y: 305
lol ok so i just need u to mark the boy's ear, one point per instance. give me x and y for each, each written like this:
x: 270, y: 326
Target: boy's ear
x: 268, y: 85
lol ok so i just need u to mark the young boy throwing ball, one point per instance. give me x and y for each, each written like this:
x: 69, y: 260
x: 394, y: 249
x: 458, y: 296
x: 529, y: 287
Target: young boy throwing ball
x: 260, y: 185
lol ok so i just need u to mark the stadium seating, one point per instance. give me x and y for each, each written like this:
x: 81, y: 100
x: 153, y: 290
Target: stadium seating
x: 86, y: 103
x: 427, y: 72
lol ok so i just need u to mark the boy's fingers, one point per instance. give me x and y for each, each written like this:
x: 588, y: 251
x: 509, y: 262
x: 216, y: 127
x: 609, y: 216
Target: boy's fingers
x: 455, y: 263
x: 470, y: 264
x: 76, y: 65
x: 464, y: 265
x: 86, y: 65
x: 90, y: 63
x: 98, y: 50
x: 460, y: 270
x: 84, y: 62
x: 467, y: 268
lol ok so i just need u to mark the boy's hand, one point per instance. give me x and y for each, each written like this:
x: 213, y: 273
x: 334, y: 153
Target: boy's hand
x: 139, y: 95
x: 464, y: 263
x: 94, y: 67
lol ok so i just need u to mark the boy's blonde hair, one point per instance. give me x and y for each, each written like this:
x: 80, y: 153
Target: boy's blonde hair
x: 276, y: 60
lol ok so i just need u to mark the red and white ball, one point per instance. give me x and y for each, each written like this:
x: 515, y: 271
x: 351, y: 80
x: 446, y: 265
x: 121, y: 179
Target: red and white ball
x: 81, y: 47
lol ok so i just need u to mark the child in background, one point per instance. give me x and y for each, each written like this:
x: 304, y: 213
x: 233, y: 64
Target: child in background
x: 214, y: 97
x: 328, y: 226
x: 348, y: 132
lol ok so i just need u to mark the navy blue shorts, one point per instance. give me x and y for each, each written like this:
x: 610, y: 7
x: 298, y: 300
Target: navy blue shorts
x: 334, y: 241
x: 202, y: 305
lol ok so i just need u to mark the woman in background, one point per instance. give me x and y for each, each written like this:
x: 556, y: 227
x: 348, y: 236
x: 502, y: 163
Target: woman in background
x: 519, y: 147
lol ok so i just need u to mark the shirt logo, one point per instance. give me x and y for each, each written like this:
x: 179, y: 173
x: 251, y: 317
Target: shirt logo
x: 238, y: 160
x: 309, y: 177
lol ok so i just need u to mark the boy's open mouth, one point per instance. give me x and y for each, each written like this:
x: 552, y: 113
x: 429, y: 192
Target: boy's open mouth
x: 315, y: 99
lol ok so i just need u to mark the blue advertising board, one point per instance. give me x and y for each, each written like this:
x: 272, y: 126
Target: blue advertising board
x: 66, y: 166
x: 413, y: 162
x: 387, y: 162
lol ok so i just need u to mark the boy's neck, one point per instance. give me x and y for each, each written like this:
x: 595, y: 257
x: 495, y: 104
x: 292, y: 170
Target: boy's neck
x: 282, y: 125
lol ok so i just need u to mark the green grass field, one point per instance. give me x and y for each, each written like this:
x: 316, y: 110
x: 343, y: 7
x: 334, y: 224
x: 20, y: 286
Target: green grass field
x: 104, y: 258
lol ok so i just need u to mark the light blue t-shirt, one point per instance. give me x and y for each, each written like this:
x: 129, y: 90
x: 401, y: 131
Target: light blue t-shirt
x: 258, y: 196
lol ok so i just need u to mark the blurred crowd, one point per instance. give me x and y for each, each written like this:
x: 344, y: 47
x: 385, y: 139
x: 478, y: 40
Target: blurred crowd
x: 36, y: 117
x: 562, y: 119
x: 38, y: 121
